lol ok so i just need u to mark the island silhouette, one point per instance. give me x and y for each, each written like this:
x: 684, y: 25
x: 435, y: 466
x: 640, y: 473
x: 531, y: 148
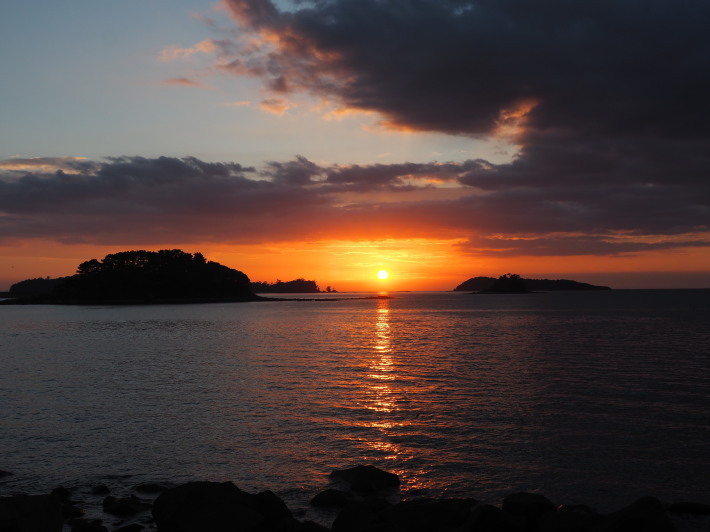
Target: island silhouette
x: 140, y: 277
x: 512, y: 283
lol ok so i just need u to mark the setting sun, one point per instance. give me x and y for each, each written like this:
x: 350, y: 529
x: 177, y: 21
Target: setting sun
x: 383, y: 274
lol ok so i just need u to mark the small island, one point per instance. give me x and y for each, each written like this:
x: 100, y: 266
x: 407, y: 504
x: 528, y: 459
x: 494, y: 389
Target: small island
x: 140, y: 277
x: 511, y: 283
x: 297, y: 286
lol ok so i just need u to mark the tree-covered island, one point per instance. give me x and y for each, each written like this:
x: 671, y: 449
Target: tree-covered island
x: 141, y: 277
x: 512, y: 283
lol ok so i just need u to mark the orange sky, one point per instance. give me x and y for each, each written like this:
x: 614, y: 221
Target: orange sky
x: 413, y: 264
x: 244, y: 130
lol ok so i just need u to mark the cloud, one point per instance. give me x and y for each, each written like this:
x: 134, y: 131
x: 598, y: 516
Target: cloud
x: 143, y: 201
x: 606, y: 101
x: 461, y: 66
x: 278, y: 106
x: 187, y: 82
x: 175, y: 53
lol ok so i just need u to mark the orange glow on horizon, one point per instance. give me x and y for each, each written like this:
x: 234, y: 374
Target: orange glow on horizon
x: 348, y: 265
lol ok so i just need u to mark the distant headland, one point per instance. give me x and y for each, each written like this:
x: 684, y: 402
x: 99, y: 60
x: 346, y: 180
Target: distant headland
x: 511, y: 283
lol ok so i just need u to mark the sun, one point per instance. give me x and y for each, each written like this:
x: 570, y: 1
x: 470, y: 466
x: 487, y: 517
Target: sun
x: 383, y: 274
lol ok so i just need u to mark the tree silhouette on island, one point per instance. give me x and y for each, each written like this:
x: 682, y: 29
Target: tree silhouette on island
x: 142, y: 277
x: 512, y: 283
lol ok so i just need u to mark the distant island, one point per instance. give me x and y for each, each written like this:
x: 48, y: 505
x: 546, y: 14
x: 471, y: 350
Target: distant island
x: 297, y: 286
x: 514, y: 284
x: 139, y: 277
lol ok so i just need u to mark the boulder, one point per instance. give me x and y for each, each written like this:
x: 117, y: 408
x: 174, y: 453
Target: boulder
x: 86, y: 525
x: 125, y: 506
x: 31, y: 513
x: 133, y: 527
x: 645, y: 515
x: 366, y: 478
x: 488, y: 518
x: 362, y: 516
x: 688, y: 507
x: 573, y: 518
x: 527, y: 508
x: 425, y: 515
x: 332, y: 498
x: 219, y: 507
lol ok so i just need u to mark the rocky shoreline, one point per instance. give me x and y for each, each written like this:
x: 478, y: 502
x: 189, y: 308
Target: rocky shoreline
x: 358, y: 499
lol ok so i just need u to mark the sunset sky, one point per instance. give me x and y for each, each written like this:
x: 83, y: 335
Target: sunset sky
x: 330, y: 139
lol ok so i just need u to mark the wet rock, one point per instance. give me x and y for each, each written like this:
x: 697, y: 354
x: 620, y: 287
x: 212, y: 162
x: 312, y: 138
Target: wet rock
x: 332, y: 498
x: 426, y: 515
x: 133, y: 527
x: 527, y: 508
x: 569, y: 519
x: 70, y: 511
x: 4, y: 474
x: 86, y: 525
x: 276, y: 513
x: 219, y: 506
x: 309, y: 526
x: 31, y: 513
x: 688, y: 507
x: 645, y: 515
x: 488, y: 518
x: 366, y: 478
x: 362, y: 516
x: 124, y: 507
x: 62, y: 493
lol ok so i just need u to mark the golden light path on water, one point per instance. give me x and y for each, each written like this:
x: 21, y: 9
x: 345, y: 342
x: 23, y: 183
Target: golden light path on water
x: 381, y: 398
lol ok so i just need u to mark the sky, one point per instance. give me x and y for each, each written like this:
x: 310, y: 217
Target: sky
x: 330, y: 139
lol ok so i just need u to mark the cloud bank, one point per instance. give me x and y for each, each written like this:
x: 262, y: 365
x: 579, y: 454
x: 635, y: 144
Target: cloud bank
x: 142, y: 201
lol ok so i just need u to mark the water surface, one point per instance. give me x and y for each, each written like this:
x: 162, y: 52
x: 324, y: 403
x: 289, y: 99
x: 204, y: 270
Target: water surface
x: 594, y: 397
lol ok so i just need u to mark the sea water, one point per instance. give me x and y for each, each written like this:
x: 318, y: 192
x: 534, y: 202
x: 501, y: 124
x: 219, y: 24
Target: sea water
x: 586, y: 397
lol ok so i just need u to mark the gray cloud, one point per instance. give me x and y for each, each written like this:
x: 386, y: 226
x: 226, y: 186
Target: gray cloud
x: 142, y: 201
x: 607, y: 99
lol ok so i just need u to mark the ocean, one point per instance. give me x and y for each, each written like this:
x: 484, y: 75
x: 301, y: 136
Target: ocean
x: 587, y: 397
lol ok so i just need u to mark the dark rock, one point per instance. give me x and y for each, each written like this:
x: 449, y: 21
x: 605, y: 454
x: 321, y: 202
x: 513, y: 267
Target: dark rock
x: 362, y: 516
x: 217, y: 507
x: 645, y: 515
x: 62, y: 493
x: 366, y: 478
x: 101, y: 489
x: 569, y: 519
x: 688, y: 507
x: 124, y: 507
x: 70, y: 511
x: 332, y: 498
x: 31, y: 513
x: 527, y: 508
x: 150, y: 487
x: 4, y: 473
x: 276, y: 513
x: 133, y: 527
x: 309, y: 526
x: 86, y: 525
x: 425, y: 515
x: 488, y: 518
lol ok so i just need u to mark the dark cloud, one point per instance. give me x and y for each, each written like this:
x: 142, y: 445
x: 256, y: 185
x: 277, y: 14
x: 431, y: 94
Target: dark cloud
x: 143, y: 201
x: 601, y: 66
x: 607, y: 100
